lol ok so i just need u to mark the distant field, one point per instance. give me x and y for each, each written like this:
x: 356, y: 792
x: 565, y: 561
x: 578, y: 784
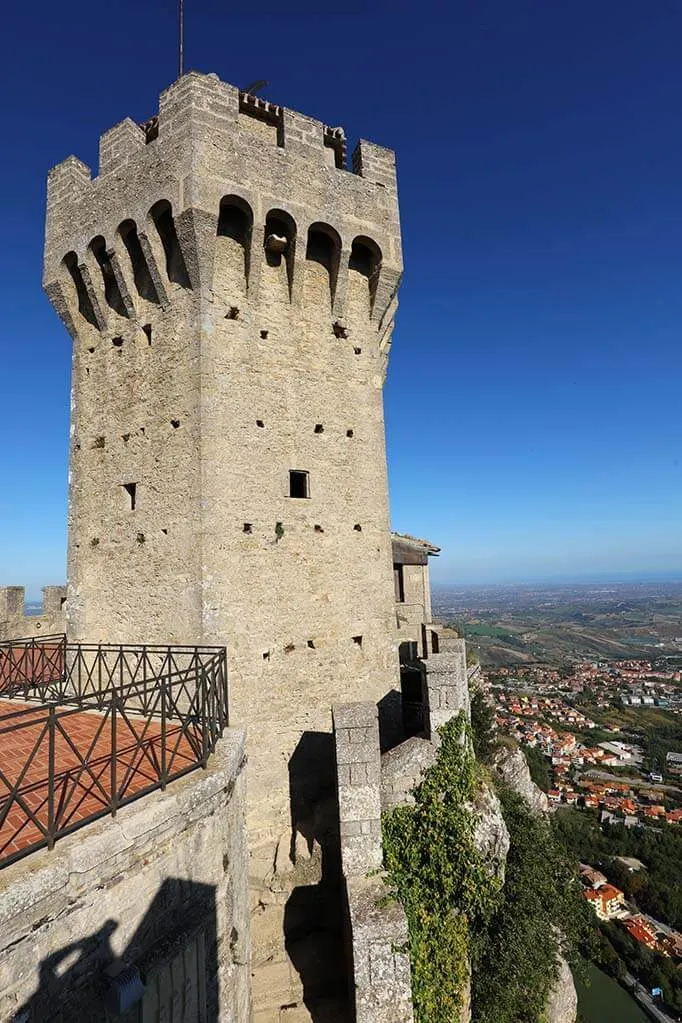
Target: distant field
x: 507, y: 625
x: 605, y: 1001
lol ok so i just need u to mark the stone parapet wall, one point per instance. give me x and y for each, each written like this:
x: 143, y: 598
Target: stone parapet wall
x: 356, y: 736
x: 447, y: 686
x: 161, y: 888
x: 16, y: 624
x: 381, y: 973
x: 377, y: 928
x: 402, y: 769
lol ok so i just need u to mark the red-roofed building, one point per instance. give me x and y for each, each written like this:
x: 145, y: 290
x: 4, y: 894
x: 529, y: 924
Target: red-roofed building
x: 606, y: 900
x: 640, y: 930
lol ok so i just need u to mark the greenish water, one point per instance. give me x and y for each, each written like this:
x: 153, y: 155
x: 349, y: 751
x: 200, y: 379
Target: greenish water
x: 605, y: 1001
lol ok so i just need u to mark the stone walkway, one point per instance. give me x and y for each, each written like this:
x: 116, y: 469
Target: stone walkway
x: 299, y: 964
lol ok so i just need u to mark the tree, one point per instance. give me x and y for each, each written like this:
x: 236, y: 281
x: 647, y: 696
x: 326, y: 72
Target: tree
x: 482, y: 726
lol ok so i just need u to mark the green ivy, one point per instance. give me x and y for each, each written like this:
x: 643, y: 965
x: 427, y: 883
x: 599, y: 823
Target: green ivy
x: 443, y: 883
x: 461, y: 922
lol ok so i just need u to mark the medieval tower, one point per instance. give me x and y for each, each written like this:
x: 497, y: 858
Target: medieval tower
x: 230, y: 286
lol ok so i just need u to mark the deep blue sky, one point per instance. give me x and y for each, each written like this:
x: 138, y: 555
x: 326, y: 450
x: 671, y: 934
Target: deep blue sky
x: 533, y: 402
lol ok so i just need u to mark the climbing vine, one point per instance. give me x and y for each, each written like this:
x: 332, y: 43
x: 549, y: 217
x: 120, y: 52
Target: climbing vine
x: 435, y: 871
x: 461, y: 921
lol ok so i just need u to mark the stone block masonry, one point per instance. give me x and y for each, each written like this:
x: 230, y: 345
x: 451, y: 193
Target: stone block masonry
x: 161, y: 889
x: 447, y: 686
x: 356, y: 735
x: 377, y: 928
x: 16, y: 624
x: 230, y: 287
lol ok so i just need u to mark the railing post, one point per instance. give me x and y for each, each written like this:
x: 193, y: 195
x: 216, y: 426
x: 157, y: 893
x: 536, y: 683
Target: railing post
x: 202, y: 680
x: 114, y: 756
x: 163, y: 778
x: 62, y: 644
x: 225, y: 692
x: 145, y: 699
x: 51, y: 736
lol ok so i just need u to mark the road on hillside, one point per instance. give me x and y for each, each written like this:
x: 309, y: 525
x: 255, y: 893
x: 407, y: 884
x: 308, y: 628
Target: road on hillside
x: 631, y: 781
x: 646, y: 1001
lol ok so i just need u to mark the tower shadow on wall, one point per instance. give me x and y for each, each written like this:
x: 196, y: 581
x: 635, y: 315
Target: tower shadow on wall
x: 174, y: 949
x: 314, y: 917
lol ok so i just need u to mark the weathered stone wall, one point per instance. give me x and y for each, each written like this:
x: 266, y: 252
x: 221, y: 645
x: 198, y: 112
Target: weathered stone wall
x: 16, y: 624
x: 445, y: 694
x: 163, y: 887
x: 205, y: 369
x: 358, y: 766
x: 447, y: 685
x: 402, y: 769
x: 377, y: 928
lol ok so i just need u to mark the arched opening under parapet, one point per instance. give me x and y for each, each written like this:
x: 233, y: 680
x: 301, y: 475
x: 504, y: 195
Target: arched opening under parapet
x: 143, y: 279
x: 70, y: 262
x: 112, y: 292
x: 324, y: 248
x: 161, y: 214
x: 363, y: 274
x: 279, y: 238
x: 279, y: 245
x: 235, y: 227
x: 235, y: 219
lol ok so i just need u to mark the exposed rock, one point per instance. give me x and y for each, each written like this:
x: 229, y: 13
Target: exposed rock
x: 512, y: 767
x: 402, y: 769
x: 491, y: 837
x: 465, y: 1011
x: 562, y: 1004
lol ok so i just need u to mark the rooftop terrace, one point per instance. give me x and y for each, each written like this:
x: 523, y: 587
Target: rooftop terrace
x: 85, y: 729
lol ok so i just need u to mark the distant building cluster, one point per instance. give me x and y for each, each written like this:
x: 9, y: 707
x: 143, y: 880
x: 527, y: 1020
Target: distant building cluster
x: 532, y: 715
x: 609, y: 903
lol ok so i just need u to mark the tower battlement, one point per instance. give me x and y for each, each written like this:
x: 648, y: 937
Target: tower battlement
x: 210, y: 143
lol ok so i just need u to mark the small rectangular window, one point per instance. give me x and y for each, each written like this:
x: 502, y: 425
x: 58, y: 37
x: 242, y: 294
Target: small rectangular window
x: 299, y: 485
x: 399, y: 578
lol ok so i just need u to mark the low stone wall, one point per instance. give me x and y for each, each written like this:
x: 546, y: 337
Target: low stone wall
x: 377, y: 929
x: 161, y: 888
x: 447, y: 685
x: 16, y: 624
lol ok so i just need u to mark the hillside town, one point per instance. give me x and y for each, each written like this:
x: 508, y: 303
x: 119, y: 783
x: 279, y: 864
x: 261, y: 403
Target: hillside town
x: 610, y: 903
x: 634, y: 683
x: 539, y: 707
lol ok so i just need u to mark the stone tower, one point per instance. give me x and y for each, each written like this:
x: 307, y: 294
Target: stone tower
x: 230, y: 288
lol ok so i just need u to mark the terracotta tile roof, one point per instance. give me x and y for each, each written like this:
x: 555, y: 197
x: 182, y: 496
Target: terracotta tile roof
x: 415, y: 541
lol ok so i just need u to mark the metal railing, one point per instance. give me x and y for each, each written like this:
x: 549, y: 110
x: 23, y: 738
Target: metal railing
x: 85, y: 729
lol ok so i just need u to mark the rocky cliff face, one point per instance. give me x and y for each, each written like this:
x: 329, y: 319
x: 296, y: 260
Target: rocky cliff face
x: 512, y: 768
x: 562, y: 1004
x: 491, y: 837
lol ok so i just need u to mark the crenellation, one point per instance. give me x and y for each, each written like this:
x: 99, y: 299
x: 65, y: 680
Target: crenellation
x: 67, y: 179
x: 117, y: 145
x: 16, y: 624
x: 375, y: 163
